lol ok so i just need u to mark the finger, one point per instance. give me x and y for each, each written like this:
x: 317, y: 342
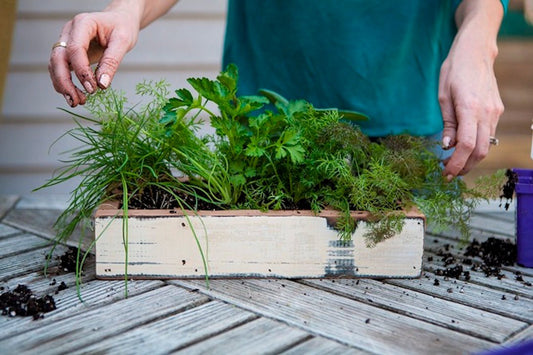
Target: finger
x: 114, y: 53
x: 465, y: 144
x: 83, y: 30
x: 448, y: 116
x: 481, y: 150
x: 59, y: 70
x: 62, y: 80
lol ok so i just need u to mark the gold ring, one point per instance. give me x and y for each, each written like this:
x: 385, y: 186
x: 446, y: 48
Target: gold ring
x: 493, y: 140
x: 59, y: 44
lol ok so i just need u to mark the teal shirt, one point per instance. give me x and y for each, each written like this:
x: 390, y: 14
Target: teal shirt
x: 381, y: 58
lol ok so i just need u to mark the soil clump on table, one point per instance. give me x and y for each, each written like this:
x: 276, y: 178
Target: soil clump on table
x: 22, y: 302
x: 488, y: 257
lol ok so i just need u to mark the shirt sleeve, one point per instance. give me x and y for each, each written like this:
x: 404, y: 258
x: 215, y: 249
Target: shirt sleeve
x: 505, y: 4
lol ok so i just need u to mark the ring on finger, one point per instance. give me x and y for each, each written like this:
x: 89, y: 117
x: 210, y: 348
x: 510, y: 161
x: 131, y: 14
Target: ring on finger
x: 494, y: 140
x: 59, y: 44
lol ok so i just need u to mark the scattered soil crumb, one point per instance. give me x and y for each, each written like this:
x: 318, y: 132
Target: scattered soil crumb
x: 67, y: 261
x: 22, y: 302
x: 487, y: 257
x: 494, y: 252
x: 62, y: 286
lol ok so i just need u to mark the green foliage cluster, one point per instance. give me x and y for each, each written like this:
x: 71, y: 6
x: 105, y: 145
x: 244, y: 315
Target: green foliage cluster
x: 267, y: 153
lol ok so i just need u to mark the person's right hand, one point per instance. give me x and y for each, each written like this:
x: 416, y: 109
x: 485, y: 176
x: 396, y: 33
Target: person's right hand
x: 100, y: 37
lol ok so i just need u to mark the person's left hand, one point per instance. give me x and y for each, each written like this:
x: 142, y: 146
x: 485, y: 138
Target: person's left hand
x: 470, y: 102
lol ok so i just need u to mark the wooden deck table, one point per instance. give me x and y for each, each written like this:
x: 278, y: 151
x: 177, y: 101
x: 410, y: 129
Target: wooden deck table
x: 241, y: 316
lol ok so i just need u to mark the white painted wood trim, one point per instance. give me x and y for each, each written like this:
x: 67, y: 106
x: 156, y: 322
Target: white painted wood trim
x: 250, y: 245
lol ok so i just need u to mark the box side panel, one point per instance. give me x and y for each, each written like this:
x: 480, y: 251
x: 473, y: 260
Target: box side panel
x: 251, y: 246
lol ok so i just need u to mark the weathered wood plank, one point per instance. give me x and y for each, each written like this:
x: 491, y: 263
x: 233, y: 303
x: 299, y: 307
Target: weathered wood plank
x: 488, y: 224
x: 256, y: 337
x: 41, y: 284
x: 94, y: 294
x: 191, y: 326
x: 21, y: 243
x: 504, y: 217
x: 319, y: 345
x: 524, y: 335
x: 273, y: 244
x: 345, y: 320
x: 43, y: 202
x: 6, y: 203
x: 41, y: 222
x: 36, y: 221
x: 506, y: 285
x: 21, y: 264
x: 444, y: 313
x: 495, y: 206
x: 76, y: 332
x: 470, y: 294
x: 6, y: 230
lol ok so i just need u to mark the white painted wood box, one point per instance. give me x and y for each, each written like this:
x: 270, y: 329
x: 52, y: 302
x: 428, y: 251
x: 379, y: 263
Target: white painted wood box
x: 288, y: 244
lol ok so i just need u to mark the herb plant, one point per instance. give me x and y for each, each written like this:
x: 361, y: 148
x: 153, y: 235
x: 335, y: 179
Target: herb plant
x: 267, y: 153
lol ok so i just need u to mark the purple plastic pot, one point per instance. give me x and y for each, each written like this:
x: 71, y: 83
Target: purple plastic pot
x: 524, y: 175
x: 524, y: 217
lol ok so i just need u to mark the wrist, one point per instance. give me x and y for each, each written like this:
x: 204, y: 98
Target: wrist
x: 478, y: 23
x: 133, y: 8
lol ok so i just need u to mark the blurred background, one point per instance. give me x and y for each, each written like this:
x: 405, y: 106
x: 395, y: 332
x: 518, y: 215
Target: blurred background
x: 186, y: 42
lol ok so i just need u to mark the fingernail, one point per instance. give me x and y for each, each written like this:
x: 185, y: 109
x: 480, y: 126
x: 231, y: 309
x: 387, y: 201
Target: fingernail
x: 446, y: 142
x: 449, y: 177
x: 87, y: 85
x: 68, y: 99
x: 104, y: 80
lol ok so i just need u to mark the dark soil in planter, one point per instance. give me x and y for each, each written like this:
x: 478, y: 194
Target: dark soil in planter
x: 156, y: 198
x: 22, y: 302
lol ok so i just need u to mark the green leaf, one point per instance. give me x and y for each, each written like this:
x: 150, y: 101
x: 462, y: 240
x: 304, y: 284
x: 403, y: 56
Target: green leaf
x: 254, y: 151
x: 297, y: 153
x: 237, y: 179
x: 250, y: 172
x: 274, y: 97
x: 211, y: 90
x: 346, y: 114
x: 258, y: 121
x: 185, y: 96
x: 168, y: 118
x: 280, y: 152
x: 248, y: 104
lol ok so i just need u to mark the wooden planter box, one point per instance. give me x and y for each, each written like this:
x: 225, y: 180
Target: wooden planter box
x: 288, y: 244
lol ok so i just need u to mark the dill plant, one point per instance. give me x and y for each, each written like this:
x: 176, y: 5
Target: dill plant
x: 267, y: 153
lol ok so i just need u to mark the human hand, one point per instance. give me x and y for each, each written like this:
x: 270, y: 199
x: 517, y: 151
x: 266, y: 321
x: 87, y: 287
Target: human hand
x: 100, y: 37
x: 470, y: 101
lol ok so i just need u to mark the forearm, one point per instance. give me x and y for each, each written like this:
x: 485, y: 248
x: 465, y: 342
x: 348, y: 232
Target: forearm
x: 480, y: 20
x: 144, y: 11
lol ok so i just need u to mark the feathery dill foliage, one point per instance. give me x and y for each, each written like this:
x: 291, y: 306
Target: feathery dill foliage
x: 266, y: 153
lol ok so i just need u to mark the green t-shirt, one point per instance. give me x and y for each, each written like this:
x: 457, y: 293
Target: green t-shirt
x: 381, y: 58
